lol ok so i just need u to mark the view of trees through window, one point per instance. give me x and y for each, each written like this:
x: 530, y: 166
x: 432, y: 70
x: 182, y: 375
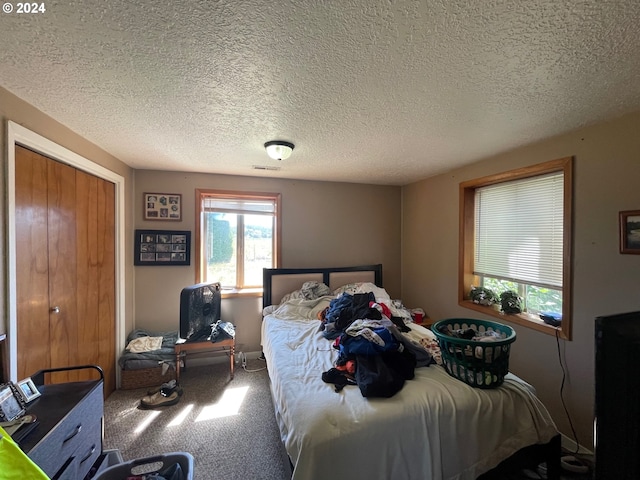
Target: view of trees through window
x: 536, y: 299
x: 227, y: 234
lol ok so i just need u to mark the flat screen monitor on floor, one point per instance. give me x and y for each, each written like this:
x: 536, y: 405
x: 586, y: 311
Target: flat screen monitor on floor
x: 617, y: 397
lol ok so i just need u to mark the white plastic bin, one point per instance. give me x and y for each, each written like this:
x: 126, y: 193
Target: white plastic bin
x: 145, y: 466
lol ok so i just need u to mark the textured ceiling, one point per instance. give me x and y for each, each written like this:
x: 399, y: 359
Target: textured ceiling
x: 370, y: 91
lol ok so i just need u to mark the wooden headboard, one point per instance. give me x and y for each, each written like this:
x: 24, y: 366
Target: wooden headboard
x: 277, y: 282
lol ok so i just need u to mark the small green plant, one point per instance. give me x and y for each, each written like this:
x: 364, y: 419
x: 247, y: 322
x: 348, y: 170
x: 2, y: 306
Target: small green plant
x: 483, y: 296
x: 510, y: 302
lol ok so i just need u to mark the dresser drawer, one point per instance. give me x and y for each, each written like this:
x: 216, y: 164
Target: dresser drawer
x: 77, y: 432
x: 86, y: 456
x: 80, y: 462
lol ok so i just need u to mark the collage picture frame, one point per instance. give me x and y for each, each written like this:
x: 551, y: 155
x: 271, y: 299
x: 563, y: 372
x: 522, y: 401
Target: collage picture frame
x: 163, y: 206
x: 162, y: 247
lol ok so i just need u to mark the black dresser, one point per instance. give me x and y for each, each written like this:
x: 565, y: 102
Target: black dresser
x: 67, y: 439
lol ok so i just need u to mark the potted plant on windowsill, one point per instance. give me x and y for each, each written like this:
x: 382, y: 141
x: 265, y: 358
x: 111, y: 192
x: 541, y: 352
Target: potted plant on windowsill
x: 483, y: 296
x: 510, y: 302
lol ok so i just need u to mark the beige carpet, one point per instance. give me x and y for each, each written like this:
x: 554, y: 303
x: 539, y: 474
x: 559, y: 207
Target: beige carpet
x: 228, y: 426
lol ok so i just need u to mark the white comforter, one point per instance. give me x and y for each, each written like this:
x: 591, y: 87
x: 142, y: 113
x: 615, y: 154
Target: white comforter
x: 435, y: 428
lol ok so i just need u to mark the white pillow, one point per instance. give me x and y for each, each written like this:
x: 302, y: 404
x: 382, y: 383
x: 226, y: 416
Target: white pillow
x: 309, y: 291
x: 268, y: 310
x: 301, y: 309
x: 364, y: 287
x: 348, y: 288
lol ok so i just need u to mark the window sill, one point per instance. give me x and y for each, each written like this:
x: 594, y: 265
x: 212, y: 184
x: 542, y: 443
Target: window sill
x: 523, y: 319
x: 241, y: 292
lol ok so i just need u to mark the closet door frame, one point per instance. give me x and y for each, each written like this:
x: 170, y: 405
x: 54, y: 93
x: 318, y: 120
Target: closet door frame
x: 19, y: 135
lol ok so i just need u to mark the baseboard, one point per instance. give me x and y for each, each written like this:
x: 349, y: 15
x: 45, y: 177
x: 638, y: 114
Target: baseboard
x: 570, y: 445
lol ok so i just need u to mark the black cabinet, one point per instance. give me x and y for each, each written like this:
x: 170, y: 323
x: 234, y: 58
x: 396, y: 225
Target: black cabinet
x: 67, y: 439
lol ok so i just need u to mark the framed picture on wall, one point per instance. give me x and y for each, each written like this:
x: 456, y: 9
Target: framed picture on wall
x: 162, y: 247
x: 162, y: 206
x: 630, y: 232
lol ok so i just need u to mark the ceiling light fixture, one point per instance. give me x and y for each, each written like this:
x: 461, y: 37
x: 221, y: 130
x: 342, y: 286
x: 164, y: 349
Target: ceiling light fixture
x: 279, y: 149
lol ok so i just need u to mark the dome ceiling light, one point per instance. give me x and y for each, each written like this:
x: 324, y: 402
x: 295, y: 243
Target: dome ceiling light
x: 279, y: 149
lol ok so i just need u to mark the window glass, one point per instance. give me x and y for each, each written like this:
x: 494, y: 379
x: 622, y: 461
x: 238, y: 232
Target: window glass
x: 258, y: 247
x: 220, y: 245
x: 536, y: 299
x: 238, y: 237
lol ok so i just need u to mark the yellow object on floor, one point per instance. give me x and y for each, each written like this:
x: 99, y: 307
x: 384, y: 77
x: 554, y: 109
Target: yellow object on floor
x: 15, y: 463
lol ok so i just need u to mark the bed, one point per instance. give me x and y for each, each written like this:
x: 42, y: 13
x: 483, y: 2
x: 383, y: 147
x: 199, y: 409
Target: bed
x: 436, y: 427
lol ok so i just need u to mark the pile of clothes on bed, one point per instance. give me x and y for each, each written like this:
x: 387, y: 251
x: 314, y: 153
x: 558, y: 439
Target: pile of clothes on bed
x: 374, y: 354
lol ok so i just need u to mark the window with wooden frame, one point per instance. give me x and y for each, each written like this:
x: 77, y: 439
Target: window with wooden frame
x: 515, y: 235
x: 237, y: 235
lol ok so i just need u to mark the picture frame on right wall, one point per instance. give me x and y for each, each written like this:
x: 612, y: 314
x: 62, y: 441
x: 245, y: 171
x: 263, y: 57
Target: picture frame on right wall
x: 630, y: 232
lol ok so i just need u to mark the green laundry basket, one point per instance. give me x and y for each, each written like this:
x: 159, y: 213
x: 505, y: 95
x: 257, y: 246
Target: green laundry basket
x: 481, y: 364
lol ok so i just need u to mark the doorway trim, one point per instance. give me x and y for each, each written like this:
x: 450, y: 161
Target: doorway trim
x: 19, y: 135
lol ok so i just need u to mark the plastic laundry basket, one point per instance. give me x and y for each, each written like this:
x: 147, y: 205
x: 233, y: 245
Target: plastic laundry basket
x: 149, y: 465
x: 479, y: 364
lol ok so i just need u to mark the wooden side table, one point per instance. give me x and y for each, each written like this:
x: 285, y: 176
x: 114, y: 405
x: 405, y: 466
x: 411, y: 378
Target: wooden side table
x: 427, y: 322
x: 182, y: 347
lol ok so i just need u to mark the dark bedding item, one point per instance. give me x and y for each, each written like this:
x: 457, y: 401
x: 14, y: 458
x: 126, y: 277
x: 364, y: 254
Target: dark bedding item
x: 344, y: 310
x: 165, y: 354
x: 384, y: 374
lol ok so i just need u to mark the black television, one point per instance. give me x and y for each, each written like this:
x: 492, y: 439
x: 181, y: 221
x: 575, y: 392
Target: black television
x: 199, y: 310
x: 617, y: 397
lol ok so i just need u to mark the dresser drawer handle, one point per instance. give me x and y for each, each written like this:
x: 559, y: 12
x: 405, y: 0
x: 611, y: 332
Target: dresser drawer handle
x: 88, y: 456
x: 76, y: 432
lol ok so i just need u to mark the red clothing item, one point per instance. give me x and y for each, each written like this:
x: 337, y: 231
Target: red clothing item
x: 349, y: 367
x: 382, y: 307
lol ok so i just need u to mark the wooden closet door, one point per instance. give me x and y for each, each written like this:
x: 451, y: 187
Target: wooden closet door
x: 32, y: 263
x: 95, y: 245
x: 76, y: 231
x: 63, y: 265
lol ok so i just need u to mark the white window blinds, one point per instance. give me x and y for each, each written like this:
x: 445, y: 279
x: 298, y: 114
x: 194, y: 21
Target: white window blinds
x: 519, y: 230
x: 237, y: 205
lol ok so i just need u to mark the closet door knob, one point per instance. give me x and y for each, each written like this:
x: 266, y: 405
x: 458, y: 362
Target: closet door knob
x: 55, y: 309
